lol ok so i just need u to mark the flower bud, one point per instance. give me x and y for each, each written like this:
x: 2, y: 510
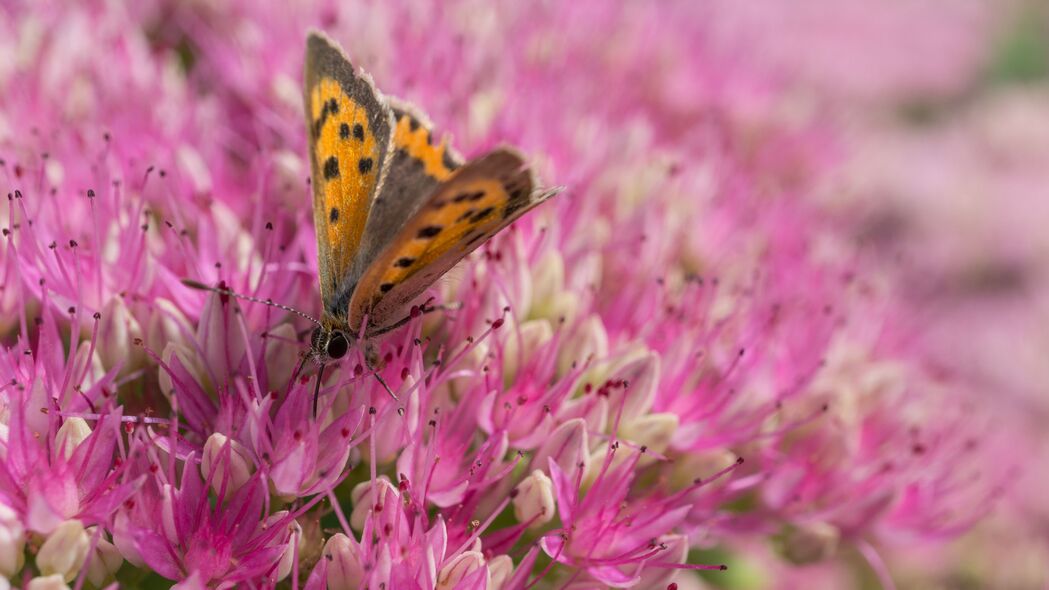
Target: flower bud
x: 167, y: 324
x: 104, y: 563
x: 52, y: 582
x: 345, y: 570
x: 279, y: 364
x: 287, y: 559
x: 640, y: 376
x: 589, y: 340
x: 653, y: 431
x: 501, y: 569
x: 534, y: 500
x: 548, y: 280
x: 115, y: 331
x: 458, y: 568
x: 64, y: 551
x: 73, y: 432
x: 810, y: 542
x: 521, y: 345
x: 12, y: 542
x: 124, y: 541
x: 228, y: 458
x: 567, y: 445
x: 365, y: 499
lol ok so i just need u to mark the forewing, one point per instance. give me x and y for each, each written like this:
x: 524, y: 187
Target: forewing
x: 349, y: 126
x: 476, y: 202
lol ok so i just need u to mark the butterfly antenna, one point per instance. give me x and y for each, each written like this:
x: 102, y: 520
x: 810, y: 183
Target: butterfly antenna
x: 222, y: 291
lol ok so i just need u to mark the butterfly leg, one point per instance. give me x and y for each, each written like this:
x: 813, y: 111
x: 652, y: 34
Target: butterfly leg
x: 317, y: 389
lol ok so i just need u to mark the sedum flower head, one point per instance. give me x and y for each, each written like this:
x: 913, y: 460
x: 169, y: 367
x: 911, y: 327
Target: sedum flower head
x: 578, y: 418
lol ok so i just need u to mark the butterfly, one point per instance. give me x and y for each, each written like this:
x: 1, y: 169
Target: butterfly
x: 393, y: 209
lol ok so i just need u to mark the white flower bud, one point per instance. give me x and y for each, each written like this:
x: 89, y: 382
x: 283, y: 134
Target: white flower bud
x: 167, y: 324
x: 12, y: 542
x: 232, y: 468
x: 279, y: 364
x: 653, y: 431
x: 287, y: 559
x: 521, y: 344
x: 73, y: 432
x: 116, y: 330
x: 641, y: 375
x: 64, y: 551
x: 567, y: 444
x: 365, y: 499
x: 174, y: 352
x: 104, y: 563
x: 458, y: 568
x: 589, y: 340
x: 52, y: 582
x: 501, y: 569
x: 534, y: 499
x: 810, y: 542
x: 548, y: 280
x: 345, y: 570
x: 123, y: 540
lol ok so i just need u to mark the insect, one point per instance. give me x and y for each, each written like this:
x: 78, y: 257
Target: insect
x: 393, y: 209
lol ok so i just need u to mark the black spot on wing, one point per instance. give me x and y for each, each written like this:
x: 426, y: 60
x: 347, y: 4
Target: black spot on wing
x: 318, y: 124
x: 386, y: 287
x: 334, y: 216
x: 474, y: 196
x: 480, y: 215
x: 331, y: 168
x: 404, y: 262
x: 358, y: 132
x: 428, y: 232
x: 344, y: 131
x: 333, y: 106
x: 365, y: 165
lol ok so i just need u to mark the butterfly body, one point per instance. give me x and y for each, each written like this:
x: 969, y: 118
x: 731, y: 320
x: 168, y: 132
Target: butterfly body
x: 393, y: 208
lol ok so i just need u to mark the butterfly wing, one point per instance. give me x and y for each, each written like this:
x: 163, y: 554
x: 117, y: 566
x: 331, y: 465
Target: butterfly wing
x: 349, y: 127
x: 473, y: 204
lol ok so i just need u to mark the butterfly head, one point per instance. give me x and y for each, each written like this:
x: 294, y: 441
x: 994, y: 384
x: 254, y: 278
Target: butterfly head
x: 329, y: 344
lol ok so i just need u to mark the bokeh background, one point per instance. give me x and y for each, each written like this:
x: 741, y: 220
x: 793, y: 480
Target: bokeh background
x: 918, y: 128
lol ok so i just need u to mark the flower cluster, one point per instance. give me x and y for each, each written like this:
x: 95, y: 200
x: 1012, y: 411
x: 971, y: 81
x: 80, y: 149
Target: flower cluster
x: 678, y: 352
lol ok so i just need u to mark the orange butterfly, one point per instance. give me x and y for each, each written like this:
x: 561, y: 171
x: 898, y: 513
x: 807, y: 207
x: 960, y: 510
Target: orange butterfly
x: 393, y: 210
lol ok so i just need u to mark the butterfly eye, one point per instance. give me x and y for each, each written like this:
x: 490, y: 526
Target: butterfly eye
x: 337, y: 345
